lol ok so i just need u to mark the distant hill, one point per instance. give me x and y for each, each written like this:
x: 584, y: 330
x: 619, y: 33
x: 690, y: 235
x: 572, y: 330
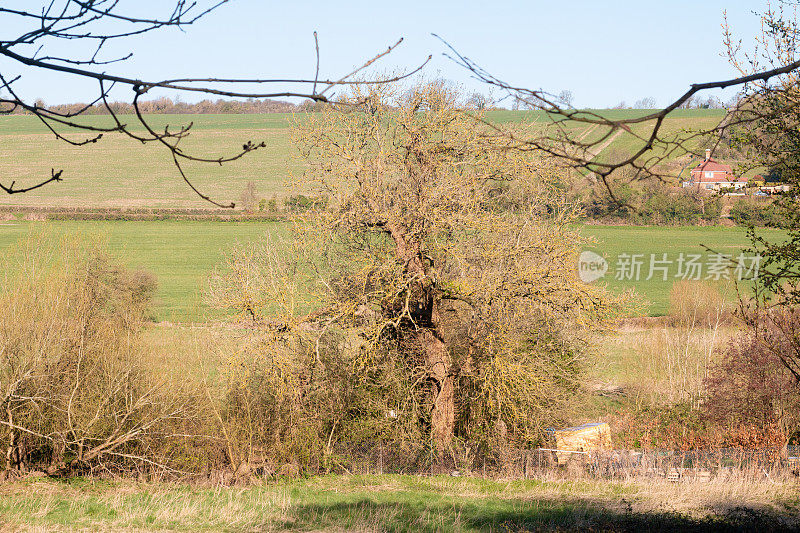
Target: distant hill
x: 118, y: 172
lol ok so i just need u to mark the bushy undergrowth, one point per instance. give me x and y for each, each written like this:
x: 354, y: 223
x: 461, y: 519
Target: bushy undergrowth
x: 308, y: 404
x: 753, y: 212
x: 81, y: 391
x: 74, y: 392
x: 752, y: 399
x: 739, y: 394
x: 656, y: 205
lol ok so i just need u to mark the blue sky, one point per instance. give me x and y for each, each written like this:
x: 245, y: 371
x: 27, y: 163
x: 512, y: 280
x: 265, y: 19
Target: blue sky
x: 603, y: 51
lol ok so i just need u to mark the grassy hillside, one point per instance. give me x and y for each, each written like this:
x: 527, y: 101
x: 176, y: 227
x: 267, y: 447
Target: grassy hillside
x: 118, y: 171
x: 682, y: 123
x: 183, y: 254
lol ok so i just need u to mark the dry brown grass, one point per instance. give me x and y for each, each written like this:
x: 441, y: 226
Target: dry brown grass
x: 697, y: 303
x: 659, y: 365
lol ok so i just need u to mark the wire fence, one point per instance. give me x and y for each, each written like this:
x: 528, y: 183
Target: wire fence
x: 673, y: 465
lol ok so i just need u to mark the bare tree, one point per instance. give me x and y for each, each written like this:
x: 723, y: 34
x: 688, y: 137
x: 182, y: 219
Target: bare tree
x: 479, y: 101
x: 565, y: 98
x: 655, y: 145
x: 645, y: 103
x: 94, y: 24
x: 249, y: 197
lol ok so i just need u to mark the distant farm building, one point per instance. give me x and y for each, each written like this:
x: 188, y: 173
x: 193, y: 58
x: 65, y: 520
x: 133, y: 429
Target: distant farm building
x: 712, y: 175
x: 769, y: 189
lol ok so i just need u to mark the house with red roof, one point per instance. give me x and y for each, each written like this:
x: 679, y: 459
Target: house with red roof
x: 712, y: 175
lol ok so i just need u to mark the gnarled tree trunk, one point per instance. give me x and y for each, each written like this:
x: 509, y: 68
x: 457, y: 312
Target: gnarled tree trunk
x: 424, y: 306
x: 443, y: 410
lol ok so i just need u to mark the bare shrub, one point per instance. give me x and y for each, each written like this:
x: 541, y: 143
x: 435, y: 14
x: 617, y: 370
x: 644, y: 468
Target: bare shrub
x: 74, y: 392
x: 698, y: 303
x: 752, y: 396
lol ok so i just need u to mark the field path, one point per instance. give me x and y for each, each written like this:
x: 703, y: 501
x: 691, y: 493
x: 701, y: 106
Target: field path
x: 599, y: 149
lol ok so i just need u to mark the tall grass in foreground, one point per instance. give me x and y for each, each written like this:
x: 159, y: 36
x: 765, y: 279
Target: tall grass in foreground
x: 669, y: 363
x: 694, y: 303
x: 659, y: 366
x: 402, y: 503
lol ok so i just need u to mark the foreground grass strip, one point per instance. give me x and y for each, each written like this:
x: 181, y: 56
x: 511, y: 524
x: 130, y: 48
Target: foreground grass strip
x: 398, y: 503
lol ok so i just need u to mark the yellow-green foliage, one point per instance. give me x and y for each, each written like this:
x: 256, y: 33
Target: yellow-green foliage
x: 445, y: 261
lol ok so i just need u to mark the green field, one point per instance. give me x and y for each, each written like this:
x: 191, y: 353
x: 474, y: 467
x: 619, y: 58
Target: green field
x: 120, y: 172
x: 650, y: 243
x: 681, y: 122
x: 182, y: 254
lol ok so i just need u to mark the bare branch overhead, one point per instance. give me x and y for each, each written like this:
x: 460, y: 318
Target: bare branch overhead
x: 655, y: 146
x: 101, y: 21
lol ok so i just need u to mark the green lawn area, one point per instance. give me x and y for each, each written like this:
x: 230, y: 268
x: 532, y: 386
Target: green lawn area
x: 650, y: 243
x: 394, y: 503
x: 182, y: 254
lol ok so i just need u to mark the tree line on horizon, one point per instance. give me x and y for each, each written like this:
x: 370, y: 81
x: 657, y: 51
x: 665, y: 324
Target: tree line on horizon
x: 168, y: 106
x: 254, y: 106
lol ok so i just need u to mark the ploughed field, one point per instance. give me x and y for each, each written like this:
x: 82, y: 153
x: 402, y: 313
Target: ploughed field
x: 183, y: 254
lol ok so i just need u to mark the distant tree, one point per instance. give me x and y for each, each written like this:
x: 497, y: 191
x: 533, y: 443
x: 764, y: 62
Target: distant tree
x: 565, y: 97
x: 272, y: 205
x: 689, y: 103
x: 479, y: 101
x: 249, y: 198
x: 645, y: 103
